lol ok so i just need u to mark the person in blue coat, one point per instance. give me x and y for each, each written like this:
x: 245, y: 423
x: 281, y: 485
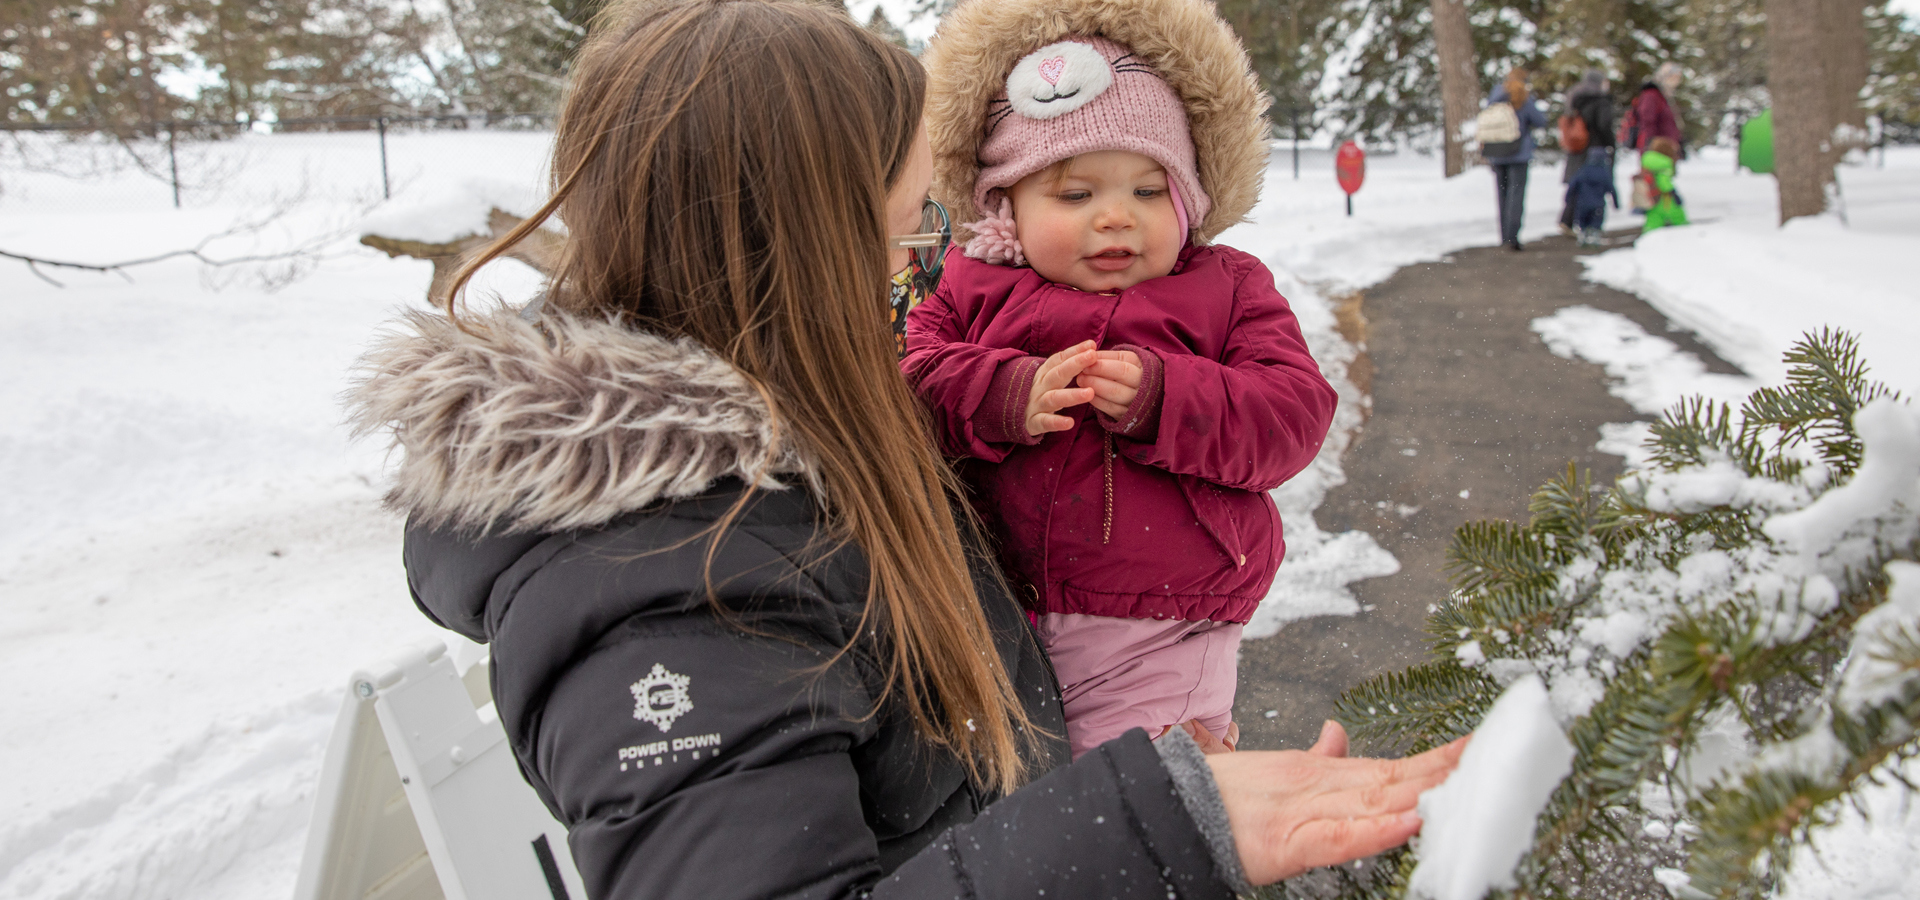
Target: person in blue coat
x: 1510, y: 172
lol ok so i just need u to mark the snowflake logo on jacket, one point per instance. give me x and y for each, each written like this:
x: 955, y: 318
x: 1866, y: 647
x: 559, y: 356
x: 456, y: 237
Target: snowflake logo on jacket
x: 661, y: 697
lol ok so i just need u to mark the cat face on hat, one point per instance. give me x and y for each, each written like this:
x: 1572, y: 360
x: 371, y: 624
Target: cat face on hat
x: 1082, y: 95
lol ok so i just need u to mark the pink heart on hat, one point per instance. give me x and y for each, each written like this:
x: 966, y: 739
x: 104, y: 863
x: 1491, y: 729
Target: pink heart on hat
x: 1051, y: 69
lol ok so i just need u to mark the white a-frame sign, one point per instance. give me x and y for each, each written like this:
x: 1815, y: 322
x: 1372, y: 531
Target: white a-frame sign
x: 420, y: 798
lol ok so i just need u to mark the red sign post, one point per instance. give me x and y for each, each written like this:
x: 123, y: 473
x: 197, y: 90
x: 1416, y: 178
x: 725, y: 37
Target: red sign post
x: 1350, y: 166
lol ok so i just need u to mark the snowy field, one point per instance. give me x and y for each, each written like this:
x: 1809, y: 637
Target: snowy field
x: 194, y: 558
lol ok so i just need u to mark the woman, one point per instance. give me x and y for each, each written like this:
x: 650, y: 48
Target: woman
x: 743, y: 642
x: 1651, y: 114
x: 1589, y: 102
x: 1510, y: 172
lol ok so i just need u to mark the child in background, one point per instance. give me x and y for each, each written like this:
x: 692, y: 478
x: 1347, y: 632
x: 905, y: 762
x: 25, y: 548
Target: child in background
x: 1656, y: 166
x: 1587, y: 195
x: 1121, y: 394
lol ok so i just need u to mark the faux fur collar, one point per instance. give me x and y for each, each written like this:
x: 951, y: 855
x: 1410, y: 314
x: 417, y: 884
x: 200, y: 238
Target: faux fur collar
x: 512, y: 427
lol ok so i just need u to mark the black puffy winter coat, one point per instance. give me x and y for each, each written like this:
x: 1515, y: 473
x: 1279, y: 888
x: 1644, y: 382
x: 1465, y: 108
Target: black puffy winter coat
x: 562, y: 486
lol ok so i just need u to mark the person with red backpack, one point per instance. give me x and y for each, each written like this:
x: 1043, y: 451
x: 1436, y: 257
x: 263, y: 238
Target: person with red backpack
x: 1585, y: 128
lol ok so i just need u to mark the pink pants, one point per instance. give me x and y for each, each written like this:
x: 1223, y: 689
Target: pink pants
x: 1117, y: 674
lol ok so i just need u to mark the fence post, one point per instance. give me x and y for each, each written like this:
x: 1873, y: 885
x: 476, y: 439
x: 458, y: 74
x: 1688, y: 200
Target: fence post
x: 1293, y: 116
x: 386, y: 187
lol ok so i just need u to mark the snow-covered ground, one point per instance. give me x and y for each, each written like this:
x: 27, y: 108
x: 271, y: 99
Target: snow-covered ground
x: 194, y: 558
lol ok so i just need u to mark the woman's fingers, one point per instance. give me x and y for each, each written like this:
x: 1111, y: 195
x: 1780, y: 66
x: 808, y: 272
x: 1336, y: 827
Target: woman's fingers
x: 1292, y: 810
x: 1327, y: 842
x: 1332, y: 742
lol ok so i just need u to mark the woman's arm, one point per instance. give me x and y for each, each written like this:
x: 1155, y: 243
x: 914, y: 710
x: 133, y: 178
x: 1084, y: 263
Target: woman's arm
x: 1254, y: 418
x: 754, y: 791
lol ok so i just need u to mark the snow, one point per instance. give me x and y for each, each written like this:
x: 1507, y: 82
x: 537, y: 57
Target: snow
x: 1405, y: 213
x: 1886, y: 486
x: 195, y: 558
x: 1872, y: 676
x: 1750, y: 288
x: 1869, y: 854
x: 445, y: 211
x: 1479, y: 822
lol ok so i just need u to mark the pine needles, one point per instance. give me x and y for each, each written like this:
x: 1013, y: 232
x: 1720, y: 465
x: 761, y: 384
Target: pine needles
x: 1661, y: 614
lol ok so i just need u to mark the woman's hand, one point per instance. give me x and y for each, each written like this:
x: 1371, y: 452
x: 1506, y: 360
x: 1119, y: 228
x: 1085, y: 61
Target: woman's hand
x: 1051, y: 392
x: 1293, y: 810
x: 1114, y: 379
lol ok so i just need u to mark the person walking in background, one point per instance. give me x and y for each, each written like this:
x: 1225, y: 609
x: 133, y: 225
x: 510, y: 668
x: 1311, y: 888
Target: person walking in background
x: 1656, y: 172
x: 1510, y: 168
x: 1651, y: 113
x: 1587, y: 194
x: 1586, y: 130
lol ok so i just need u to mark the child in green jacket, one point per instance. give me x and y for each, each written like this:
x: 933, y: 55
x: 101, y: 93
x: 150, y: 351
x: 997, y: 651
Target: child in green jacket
x: 1657, y: 164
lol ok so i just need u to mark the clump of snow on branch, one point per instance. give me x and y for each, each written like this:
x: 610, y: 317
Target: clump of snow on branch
x: 1479, y: 823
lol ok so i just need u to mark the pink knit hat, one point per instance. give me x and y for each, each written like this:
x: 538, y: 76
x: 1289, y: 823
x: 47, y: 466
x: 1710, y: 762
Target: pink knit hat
x: 1079, y: 95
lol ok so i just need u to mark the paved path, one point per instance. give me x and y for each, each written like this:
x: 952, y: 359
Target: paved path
x: 1471, y: 412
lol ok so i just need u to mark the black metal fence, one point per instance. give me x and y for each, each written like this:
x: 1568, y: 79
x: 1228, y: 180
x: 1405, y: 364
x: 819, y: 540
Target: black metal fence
x: 175, y: 131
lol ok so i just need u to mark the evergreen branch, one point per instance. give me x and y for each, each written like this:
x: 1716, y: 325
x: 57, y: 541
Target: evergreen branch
x: 1763, y: 814
x: 1415, y: 709
x: 1826, y: 384
x: 1564, y: 510
x: 1503, y: 620
x: 1486, y: 555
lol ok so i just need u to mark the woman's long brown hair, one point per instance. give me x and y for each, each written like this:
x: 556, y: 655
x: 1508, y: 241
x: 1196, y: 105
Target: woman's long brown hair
x: 722, y: 167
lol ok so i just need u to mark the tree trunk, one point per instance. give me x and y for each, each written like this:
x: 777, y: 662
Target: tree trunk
x: 1845, y: 27
x: 1802, y: 106
x: 1459, y: 86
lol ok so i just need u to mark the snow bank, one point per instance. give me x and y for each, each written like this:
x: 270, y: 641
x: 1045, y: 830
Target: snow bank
x: 1319, y: 566
x: 1479, y: 823
x: 1650, y: 373
x: 1749, y: 288
x: 194, y: 556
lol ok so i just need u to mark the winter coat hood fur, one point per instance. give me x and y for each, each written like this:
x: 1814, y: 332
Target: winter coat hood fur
x: 505, y: 425
x: 1185, y: 41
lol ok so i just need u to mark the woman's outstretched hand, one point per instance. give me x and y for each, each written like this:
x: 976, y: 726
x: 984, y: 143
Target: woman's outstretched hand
x: 1294, y: 810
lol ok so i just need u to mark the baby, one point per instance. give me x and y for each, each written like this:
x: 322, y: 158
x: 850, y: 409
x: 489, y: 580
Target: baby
x: 1121, y: 394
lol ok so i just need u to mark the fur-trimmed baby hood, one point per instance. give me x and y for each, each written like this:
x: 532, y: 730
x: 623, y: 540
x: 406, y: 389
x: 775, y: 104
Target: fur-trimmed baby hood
x: 1185, y: 41
x: 510, y: 426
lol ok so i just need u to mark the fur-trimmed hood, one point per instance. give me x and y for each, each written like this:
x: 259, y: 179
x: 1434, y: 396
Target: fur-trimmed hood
x: 509, y: 426
x: 1185, y: 41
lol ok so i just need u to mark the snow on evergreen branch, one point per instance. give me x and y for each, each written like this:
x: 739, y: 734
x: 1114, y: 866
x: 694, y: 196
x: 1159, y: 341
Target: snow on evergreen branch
x: 1730, y: 635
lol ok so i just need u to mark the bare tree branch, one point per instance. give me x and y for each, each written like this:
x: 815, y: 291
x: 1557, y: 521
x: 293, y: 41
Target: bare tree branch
x: 35, y: 262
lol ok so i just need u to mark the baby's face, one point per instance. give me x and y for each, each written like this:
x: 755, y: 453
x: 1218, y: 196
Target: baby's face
x: 1108, y: 225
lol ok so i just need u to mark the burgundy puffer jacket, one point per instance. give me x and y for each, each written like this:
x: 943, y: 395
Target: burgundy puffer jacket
x: 1163, y: 514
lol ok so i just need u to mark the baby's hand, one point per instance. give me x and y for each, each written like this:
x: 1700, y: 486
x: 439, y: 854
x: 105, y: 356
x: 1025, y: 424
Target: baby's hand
x: 1114, y: 379
x: 1051, y: 392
